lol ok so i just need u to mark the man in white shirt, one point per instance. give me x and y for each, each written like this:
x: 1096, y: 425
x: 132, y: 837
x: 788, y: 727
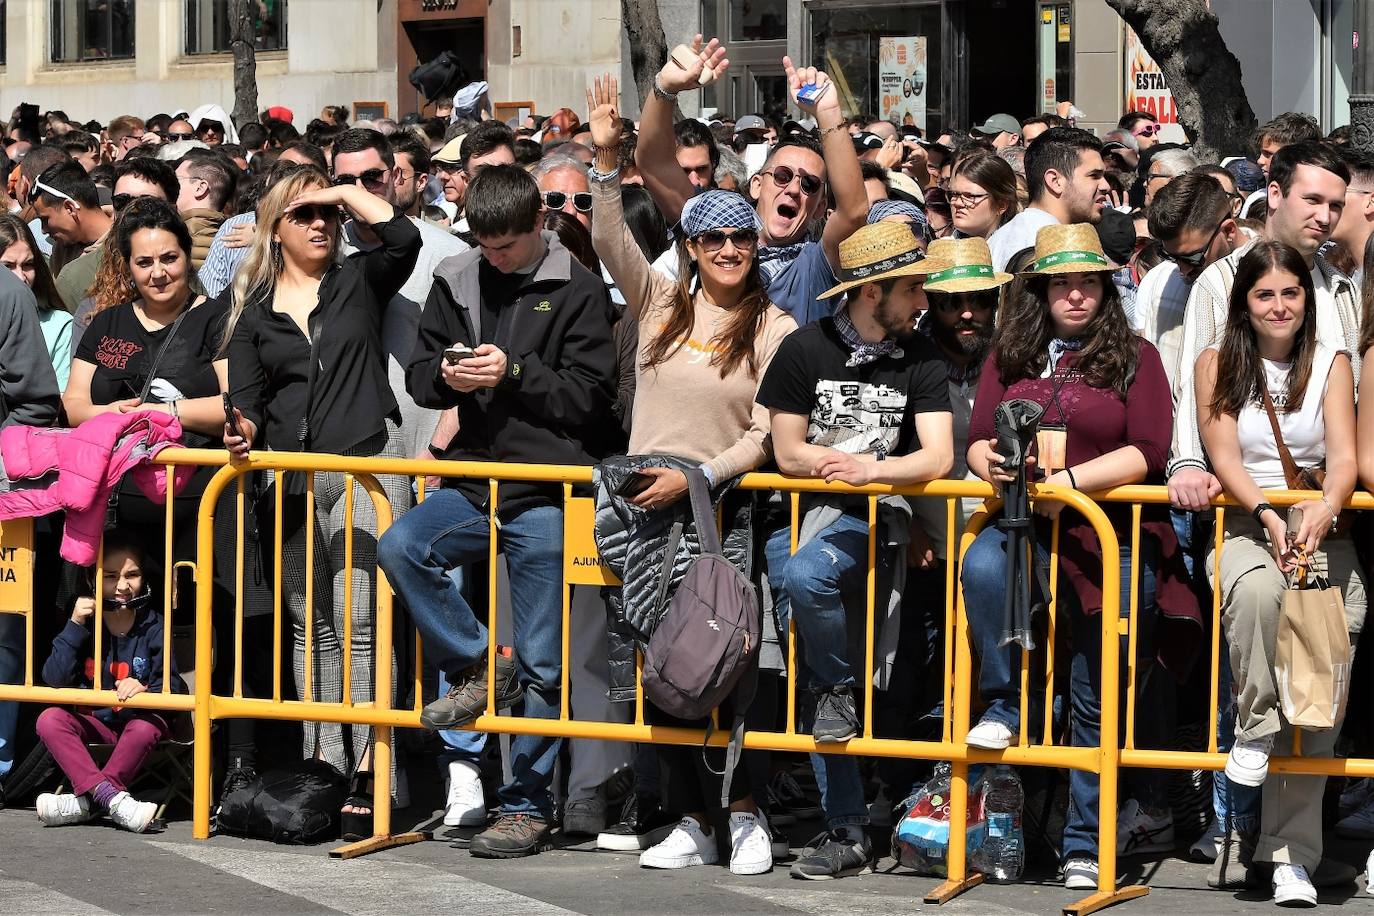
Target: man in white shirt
x: 1065, y: 176
x: 1351, y: 235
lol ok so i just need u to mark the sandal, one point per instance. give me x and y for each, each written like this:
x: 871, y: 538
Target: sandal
x: 354, y: 825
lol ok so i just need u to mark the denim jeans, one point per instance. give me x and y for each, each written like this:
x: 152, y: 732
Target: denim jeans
x: 11, y: 672
x: 459, y: 744
x: 445, y: 532
x: 818, y: 575
x: 984, y: 585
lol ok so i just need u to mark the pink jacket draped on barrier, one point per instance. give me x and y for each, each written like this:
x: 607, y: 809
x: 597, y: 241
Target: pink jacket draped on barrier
x: 82, y: 466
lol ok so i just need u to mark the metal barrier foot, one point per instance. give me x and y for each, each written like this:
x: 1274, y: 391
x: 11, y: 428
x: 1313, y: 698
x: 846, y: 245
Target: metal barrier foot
x: 377, y: 844
x: 1103, y: 899
x: 952, y: 888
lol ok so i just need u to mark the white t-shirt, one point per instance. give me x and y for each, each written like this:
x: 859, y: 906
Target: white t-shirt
x: 1304, y: 430
x: 1019, y: 233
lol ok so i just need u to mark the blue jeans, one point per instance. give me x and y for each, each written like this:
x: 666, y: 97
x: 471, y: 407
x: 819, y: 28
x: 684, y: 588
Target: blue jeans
x: 445, y: 532
x: 459, y: 743
x: 817, y: 578
x: 984, y: 585
x: 11, y: 672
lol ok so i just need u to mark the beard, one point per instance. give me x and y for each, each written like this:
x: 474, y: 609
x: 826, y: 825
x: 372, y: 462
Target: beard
x: 894, y: 324
x: 948, y: 336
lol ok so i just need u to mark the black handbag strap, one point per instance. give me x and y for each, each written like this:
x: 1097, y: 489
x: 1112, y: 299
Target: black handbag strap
x: 702, y: 514
x: 312, y: 374
x: 157, y: 357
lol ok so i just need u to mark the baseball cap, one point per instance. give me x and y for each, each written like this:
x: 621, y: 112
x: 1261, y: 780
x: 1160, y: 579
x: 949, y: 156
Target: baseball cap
x: 866, y: 141
x: 901, y: 186
x: 790, y: 128
x: 750, y: 122
x: 999, y: 124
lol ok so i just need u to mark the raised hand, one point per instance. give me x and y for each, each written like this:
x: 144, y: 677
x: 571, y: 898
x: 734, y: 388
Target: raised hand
x: 709, y: 59
x: 825, y: 98
x: 603, y: 114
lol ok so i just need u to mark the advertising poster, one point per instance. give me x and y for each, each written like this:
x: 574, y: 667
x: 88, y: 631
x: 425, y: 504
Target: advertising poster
x: 902, y: 79
x: 1145, y: 89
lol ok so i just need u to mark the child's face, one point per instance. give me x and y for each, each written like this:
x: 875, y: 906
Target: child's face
x: 123, y: 577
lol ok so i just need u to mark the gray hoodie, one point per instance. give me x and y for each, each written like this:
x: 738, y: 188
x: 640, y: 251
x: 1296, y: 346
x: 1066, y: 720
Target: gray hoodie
x: 28, y: 385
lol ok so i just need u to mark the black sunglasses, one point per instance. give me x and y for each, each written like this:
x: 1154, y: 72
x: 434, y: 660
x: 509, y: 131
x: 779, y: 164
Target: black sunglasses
x: 181, y: 136
x: 715, y: 239
x: 120, y: 201
x: 782, y: 176
x: 306, y: 214
x: 1195, y: 258
x: 371, y: 178
x: 556, y: 200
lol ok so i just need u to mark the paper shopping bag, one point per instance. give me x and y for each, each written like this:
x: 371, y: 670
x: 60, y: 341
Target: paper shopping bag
x: 1312, y: 661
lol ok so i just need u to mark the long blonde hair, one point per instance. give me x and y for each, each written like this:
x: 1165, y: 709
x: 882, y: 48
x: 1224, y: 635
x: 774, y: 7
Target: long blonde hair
x: 256, y: 277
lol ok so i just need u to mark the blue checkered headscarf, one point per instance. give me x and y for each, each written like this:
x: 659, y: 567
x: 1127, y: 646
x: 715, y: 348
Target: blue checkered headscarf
x: 882, y: 209
x: 717, y: 209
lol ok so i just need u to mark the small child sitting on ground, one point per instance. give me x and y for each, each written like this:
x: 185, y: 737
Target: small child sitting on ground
x: 132, y: 664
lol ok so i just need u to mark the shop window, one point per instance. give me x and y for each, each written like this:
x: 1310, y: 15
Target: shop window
x: 84, y: 30
x: 208, y: 26
x: 758, y: 20
x: 886, y: 61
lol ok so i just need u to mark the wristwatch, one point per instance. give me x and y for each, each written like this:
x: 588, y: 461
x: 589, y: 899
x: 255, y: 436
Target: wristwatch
x: 1259, y: 511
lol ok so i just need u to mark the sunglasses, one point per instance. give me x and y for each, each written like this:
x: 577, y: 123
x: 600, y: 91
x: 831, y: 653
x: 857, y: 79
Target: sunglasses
x: 782, y: 176
x: 306, y: 214
x: 715, y: 239
x: 120, y: 201
x: 557, y: 200
x: 181, y: 136
x: 372, y: 178
x: 41, y: 188
x: 1195, y: 258
x: 1147, y: 131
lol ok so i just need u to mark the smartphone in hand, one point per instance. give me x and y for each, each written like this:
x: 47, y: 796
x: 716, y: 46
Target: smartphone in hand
x: 634, y: 484
x: 458, y: 352
x: 230, y: 418
x: 1294, y: 526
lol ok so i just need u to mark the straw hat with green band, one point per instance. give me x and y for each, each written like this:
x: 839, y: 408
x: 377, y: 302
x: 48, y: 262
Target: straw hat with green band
x: 971, y: 269
x: 1073, y: 249
x: 881, y: 251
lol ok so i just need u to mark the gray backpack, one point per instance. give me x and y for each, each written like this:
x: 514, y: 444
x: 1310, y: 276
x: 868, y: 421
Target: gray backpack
x: 706, y: 647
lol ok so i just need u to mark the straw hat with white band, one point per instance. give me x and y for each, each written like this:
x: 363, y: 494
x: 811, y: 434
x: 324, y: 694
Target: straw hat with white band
x: 881, y: 251
x: 971, y: 269
x: 1072, y: 249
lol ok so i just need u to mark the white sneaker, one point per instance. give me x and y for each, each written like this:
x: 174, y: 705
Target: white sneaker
x: 585, y: 815
x: 989, y: 735
x: 1138, y: 832
x: 684, y: 847
x: 1208, y: 846
x: 130, y: 813
x: 60, y: 810
x: 751, y: 845
x: 465, y: 805
x: 1292, y: 887
x: 1248, y: 762
x: 1080, y: 874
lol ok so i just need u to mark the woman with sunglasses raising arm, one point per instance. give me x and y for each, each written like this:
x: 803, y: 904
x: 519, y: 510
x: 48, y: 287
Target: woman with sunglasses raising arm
x: 307, y: 372
x: 705, y: 341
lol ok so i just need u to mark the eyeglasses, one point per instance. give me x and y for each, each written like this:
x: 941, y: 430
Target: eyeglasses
x: 1195, y: 258
x: 1149, y: 130
x: 782, y: 176
x: 372, y: 178
x: 1151, y: 176
x: 307, y: 214
x: 715, y: 239
x: 557, y: 200
x: 966, y: 197
x: 41, y: 188
x: 178, y: 135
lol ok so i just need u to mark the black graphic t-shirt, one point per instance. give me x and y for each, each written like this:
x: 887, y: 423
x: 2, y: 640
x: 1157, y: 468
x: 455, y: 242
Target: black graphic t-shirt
x: 860, y: 410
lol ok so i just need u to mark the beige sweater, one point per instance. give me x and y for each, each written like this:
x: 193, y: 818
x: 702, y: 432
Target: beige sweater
x: 682, y: 406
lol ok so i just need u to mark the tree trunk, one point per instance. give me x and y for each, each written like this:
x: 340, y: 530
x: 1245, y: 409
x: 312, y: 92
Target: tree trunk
x: 648, y: 47
x: 1184, y: 39
x: 242, y: 41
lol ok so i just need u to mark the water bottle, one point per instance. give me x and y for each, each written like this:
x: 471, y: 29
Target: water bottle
x: 1004, y: 849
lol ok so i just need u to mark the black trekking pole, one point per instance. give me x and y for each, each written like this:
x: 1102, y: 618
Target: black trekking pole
x: 1016, y: 424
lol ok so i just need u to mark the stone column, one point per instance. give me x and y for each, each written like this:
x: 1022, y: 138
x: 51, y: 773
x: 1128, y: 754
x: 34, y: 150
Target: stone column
x: 1362, y: 79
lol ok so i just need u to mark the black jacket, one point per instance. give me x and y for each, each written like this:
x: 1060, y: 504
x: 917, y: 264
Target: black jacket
x: 560, y: 376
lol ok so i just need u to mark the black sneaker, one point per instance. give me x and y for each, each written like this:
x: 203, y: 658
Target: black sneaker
x: 512, y: 836
x: 834, y: 855
x: 642, y: 824
x: 781, y: 847
x: 836, y: 718
x: 788, y: 802
x: 467, y: 699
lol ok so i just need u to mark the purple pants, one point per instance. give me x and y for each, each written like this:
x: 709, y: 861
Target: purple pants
x: 66, y: 734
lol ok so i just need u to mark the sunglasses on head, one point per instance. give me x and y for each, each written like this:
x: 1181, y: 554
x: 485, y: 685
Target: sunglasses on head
x: 782, y: 176
x: 715, y: 239
x: 41, y: 188
x: 306, y: 214
x: 371, y: 178
x: 557, y: 200
x: 179, y: 135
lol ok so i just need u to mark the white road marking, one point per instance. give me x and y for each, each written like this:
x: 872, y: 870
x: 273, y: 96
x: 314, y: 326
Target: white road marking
x: 806, y: 897
x: 29, y: 898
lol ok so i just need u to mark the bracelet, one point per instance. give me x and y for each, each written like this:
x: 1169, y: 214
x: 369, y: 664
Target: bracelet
x: 1259, y: 510
x: 595, y: 174
x: 176, y: 414
x: 828, y: 130
x: 612, y: 150
x: 1335, y: 516
x: 662, y: 93
x: 1073, y: 482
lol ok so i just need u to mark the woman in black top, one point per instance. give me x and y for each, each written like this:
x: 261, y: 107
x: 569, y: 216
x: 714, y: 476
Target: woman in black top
x: 158, y: 350
x: 329, y: 396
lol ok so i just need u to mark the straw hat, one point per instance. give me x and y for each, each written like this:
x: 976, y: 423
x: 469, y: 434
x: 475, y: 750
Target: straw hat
x: 880, y: 251
x: 1072, y: 249
x: 972, y: 271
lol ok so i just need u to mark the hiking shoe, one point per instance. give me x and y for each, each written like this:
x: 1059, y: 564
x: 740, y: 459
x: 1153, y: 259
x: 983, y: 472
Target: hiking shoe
x: 1248, y: 762
x: 465, y: 805
x: 643, y: 823
x: 1139, y: 832
x: 684, y: 847
x: 1233, y: 867
x: 513, y: 836
x: 584, y: 815
x: 1292, y: 887
x: 790, y: 800
x: 837, y: 719
x: 59, y: 810
x: 1080, y: 874
x: 1204, y: 849
x: 751, y: 844
x: 990, y: 735
x: 130, y: 813
x: 467, y: 698
x: 835, y: 854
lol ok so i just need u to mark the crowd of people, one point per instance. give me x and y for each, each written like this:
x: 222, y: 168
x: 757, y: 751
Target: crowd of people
x: 837, y: 298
